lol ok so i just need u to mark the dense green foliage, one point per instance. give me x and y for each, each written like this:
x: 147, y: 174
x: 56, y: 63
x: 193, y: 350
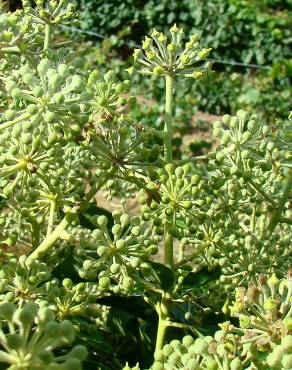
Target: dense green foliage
x: 262, y: 33
x: 198, y: 277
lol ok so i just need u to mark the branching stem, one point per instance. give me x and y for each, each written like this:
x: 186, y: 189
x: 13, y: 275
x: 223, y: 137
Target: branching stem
x: 51, y: 239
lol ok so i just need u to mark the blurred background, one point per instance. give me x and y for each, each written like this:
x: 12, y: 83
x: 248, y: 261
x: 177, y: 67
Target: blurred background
x: 251, y: 43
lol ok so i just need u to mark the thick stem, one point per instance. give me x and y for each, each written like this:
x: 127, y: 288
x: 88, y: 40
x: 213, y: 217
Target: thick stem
x: 168, y: 247
x: 161, y: 330
x: 169, y: 85
x: 52, y: 238
x: 48, y: 36
x: 51, y: 217
x: 35, y: 234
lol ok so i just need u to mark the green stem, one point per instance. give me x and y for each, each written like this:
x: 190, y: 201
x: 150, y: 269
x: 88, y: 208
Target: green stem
x: 262, y: 192
x: 48, y: 36
x: 169, y: 85
x: 161, y: 330
x: 51, y: 239
x: 5, y: 125
x: 280, y: 206
x: 168, y: 248
x: 51, y: 217
x: 285, y: 220
x: 35, y: 234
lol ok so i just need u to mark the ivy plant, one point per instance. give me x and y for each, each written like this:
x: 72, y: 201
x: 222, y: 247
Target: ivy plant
x: 197, y: 278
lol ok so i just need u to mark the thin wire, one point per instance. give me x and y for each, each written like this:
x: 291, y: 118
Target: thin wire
x: 219, y: 61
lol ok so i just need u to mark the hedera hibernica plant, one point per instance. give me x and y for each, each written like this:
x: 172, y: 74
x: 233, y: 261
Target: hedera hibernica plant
x: 221, y: 220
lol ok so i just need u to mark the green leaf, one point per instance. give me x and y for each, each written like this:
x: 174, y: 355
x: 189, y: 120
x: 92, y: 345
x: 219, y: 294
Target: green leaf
x: 68, y: 267
x: 251, y: 96
x: 164, y: 274
x: 197, y: 279
x: 134, y: 306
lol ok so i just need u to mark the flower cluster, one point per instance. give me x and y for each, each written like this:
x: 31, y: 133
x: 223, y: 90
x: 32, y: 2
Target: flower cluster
x: 49, y: 97
x: 18, y: 35
x: 120, y: 251
x: 29, y: 336
x: 281, y: 357
x: 67, y: 300
x: 178, y: 198
x: 264, y: 311
x: 218, y: 352
x: 20, y: 283
x: 161, y: 56
x: 50, y: 11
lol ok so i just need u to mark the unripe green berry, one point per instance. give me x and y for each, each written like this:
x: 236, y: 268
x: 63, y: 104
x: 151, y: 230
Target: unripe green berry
x: 79, y: 352
x: 104, y: 282
x: 43, y: 66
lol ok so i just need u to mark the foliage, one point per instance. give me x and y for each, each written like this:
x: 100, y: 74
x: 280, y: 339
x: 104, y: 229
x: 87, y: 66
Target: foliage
x: 74, y: 274
x: 262, y: 33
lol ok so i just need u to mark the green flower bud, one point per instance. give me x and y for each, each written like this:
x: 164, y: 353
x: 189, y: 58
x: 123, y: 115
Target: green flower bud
x: 287, y: 361
x: 67, y: 331
x: 236, y: 364
x: 88, y: 265
x: 7, y: 310
x: 63, y: 70
x: 171, y: 47
x: 14, y: 341
x: 102, y: 251
x: 188, y: 340
x: 174, y: 359
x: 67, y: 283
x: 102, y: 221
x: 117, y: 230
x: 174, y: 29
x: 158, y: 71
x: 104, y: 282
x: 167, y: 350
x: 270, y: 304
x: 43, y: 66
x: 212, y: 364
x: 16, y: 93
x: 162, y: 38
x: 46, y: 356
x: 192, y: 364
x: 200, y: 346
x: 79, y: 352
x: 274, y: 359
x: 72, y: 364
x: 120, y: 243
x: 52, y: 329
x: 286, y: 343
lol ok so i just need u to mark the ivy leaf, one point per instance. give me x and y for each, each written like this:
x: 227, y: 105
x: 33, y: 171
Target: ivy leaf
x: 197, y: 279
x: 68, y: 267
x: 164, y: 275
x: 251, y: 96
x: 134, y: 306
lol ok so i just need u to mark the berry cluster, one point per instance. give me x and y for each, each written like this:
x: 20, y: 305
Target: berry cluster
x: 27, y: 349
